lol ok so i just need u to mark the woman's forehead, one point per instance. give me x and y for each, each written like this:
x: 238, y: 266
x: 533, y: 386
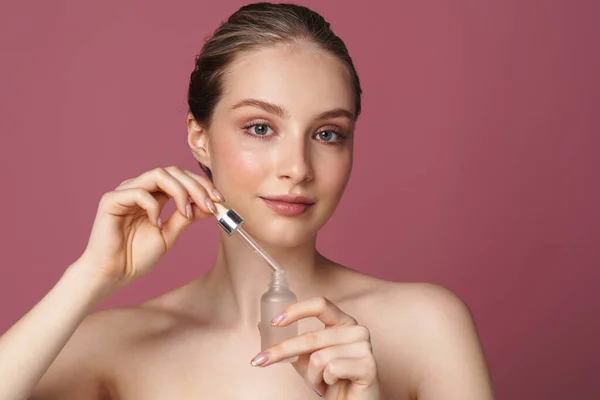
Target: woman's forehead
x: 295, y: 78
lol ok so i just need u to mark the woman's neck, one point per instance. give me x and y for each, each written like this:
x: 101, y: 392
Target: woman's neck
x: 240, y: 276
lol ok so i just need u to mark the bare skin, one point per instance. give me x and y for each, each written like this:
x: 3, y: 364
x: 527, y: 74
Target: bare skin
x: 361, y: 338
x: 174, y: 346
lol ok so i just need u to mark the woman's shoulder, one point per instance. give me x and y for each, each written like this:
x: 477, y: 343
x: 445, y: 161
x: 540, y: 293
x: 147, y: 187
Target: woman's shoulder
x: 102, y: 337
x: 110, y: 332
x: 417, y: 328
x: 128, y: 324
x: 419, y: 311
x: 405, y: 297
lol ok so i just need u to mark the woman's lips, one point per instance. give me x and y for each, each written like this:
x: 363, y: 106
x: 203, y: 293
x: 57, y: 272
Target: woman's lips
x: 289, y: 209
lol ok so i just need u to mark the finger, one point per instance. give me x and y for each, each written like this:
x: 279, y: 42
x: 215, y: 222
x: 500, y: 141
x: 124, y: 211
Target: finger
x: 318, y: 360
x: 361, y: 371
x: 208, y: 185
x: 312, y: 341
x: 177, y: 223
x: 201, y: 195
x: 301, y: 366
x: 130, y: 201
x: 318, y: 307
x: 159, y: 179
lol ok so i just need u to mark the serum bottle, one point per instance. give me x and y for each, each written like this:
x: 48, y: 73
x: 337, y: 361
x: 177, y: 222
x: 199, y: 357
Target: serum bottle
x: 272, y: 303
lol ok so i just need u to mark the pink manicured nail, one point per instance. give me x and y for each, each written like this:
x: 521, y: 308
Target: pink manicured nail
x: 260, y: 359
x: 210, y: 205
x: 188, y: 210
x: 218, y: 195
x: 279, y: 318
x: 317, y: 392
x: 159, y: 223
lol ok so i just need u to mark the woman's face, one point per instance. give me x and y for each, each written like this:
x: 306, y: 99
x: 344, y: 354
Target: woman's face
x: 283, y: 127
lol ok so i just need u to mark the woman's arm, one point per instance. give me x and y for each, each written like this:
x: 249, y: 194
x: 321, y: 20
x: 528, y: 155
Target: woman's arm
x: 30, y: 346
x: 127, y: 241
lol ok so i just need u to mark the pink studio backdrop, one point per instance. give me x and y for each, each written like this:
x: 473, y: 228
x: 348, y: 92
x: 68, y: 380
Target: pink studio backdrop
x: 480, y: 139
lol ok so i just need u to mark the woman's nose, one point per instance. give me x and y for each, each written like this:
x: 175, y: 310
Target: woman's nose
x: 295, y: 161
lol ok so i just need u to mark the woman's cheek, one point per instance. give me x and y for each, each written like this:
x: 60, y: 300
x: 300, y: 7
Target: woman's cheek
x: 243, y: 166
x: 335, y: 174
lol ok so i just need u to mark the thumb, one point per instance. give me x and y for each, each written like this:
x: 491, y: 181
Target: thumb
x: 177, y: 223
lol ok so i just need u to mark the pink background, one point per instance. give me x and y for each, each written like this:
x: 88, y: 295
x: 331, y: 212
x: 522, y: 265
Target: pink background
x: 479, y: 139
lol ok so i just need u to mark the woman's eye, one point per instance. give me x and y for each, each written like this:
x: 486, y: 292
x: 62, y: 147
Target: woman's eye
x: 328, y: 136
x: 259, y: 129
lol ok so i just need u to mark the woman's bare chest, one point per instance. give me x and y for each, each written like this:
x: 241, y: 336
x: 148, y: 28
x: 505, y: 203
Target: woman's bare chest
x: 213, y: 368
x: 195, y: 362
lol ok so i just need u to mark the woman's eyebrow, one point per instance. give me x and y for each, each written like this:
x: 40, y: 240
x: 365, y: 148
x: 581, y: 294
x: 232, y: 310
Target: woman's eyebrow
x: 265, y: 105
x: 283, y: 113
x: 336, y: 113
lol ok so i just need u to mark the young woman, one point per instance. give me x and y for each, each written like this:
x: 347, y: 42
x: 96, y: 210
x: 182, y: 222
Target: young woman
x: 273, y: 102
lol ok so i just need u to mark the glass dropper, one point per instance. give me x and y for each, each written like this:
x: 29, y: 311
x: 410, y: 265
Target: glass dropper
x: 231, y: 223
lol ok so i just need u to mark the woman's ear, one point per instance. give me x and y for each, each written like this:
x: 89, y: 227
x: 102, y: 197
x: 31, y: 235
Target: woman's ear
x: 198, y: 141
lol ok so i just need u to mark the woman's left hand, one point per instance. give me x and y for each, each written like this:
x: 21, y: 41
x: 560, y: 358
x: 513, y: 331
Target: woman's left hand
x: 337, y: 362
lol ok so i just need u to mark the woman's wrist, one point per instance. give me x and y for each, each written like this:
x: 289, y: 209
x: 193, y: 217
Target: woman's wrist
x: 86, y: 280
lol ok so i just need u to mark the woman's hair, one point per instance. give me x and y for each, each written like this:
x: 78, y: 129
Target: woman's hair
x: 252, y: 27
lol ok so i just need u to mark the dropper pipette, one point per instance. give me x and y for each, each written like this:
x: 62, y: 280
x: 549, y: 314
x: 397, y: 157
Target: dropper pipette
x: 231, y: 223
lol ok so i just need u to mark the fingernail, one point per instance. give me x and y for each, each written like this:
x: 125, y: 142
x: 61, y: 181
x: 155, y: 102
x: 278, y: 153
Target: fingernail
x: 260, y: 359
x: 210, y: 205
x: 278, y: 319
x: 188, y: 210
x: 317, y: 392
x: 159, y: 223
x: 218, y: 195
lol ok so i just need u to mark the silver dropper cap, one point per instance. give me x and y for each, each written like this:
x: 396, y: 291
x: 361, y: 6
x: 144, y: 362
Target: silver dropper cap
x: 230, y: 221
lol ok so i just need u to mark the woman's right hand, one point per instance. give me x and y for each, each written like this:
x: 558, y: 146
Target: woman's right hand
x: 128, y: 237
